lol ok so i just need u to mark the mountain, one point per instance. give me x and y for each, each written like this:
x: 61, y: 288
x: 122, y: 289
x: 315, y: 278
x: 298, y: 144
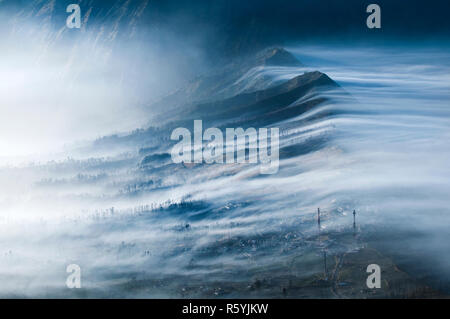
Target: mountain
x: 245, y: 80
x: 269, y: 88
x: 262, y: 107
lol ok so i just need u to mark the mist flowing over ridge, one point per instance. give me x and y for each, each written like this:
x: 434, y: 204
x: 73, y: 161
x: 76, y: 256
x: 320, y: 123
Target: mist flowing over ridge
x: 332, y: 155
x: 363, y: 128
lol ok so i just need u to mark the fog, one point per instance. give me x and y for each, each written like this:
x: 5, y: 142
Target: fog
x: 59, y: 86
x: 385, y: 155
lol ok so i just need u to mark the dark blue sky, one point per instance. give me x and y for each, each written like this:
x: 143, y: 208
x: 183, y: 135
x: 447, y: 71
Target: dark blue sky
x: 413, y: 19
x: 236, y: 25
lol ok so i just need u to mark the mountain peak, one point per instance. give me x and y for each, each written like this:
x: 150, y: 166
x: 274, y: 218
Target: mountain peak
x: 277, y: 56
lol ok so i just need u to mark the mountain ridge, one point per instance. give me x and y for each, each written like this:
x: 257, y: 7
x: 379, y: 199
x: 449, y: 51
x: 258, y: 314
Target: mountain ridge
x: 217, y: 83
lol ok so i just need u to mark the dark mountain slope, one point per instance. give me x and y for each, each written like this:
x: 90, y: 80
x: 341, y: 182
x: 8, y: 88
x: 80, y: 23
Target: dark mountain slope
x: 223, y: 82
x: 263, y: 107
x: 257, y: 106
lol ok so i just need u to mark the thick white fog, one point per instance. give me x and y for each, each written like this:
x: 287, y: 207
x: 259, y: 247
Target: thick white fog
x: 60, y: 86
